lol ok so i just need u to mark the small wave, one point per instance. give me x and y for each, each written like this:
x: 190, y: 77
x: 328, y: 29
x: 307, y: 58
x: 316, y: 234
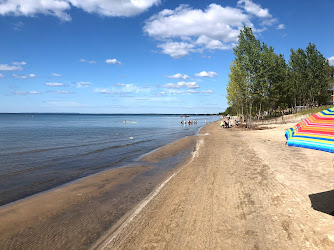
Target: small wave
x: 113, y: 147
x: 57, y: 148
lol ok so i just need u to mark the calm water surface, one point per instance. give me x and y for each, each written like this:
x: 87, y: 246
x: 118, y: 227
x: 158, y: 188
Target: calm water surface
x: 42, y: 151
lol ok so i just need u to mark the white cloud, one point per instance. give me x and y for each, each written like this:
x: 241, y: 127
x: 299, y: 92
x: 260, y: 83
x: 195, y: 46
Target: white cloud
x: 1, y: 75
x: 24, y: 76
x: 200, y: 92
x: 55, y: 74
x: 193, y: 30
x: 177, y: 76
x: 254, y: 9
x: 113, y: 61
x: 83, y: 84
x: 58, y: 8
x: 207, y: 91
x: 87, y: 61
x: 206, y: 74
x: 114, y: 7
x: 216, y: 22
x: 122, y: 89
x: 185, y: 30
x: 31, y: 8
x: 190, y: 91
x: 26, y: 92
x: 6, y: 67
x: 59, y: 92
x: 54, y: 84
x: 216, y: 44
x: 189, y: 85
x: 102, y: 91
x: 19, y: 63
x: 281, y: 27
x: 177, y: 49
x: 331, y: 60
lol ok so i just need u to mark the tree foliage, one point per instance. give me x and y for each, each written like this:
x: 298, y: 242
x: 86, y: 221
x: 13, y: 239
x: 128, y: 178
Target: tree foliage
x: 262, y: 83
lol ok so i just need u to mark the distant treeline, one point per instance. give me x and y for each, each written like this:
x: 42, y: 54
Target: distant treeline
x: 262, y: 84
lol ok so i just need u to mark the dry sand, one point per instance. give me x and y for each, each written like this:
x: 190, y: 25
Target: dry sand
x: 241, y: 190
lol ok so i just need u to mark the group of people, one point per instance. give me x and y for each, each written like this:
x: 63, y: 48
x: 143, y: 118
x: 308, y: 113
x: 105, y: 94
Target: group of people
x: 190, y: 122
x: 227, y: 122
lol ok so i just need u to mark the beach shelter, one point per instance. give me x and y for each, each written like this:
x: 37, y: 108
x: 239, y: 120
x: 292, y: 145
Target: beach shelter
x: 315, y: 132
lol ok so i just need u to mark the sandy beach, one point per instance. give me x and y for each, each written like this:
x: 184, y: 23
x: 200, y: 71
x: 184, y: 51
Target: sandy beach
x: 76, y: 215
x: 243, y: 189
x: 238, y: 189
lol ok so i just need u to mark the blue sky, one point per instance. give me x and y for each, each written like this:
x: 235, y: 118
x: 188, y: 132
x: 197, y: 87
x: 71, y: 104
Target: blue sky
x: 140, y: 56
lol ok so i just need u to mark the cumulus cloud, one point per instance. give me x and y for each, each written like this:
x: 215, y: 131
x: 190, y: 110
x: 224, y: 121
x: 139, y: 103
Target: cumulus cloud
x: 55, y: 74
x: 331, y: 60
x: 177, y: 76
x: 54, y: 84
x: 83, y: 84
x: 114, y: 7
x: 112, y: 61
x: 31, y: 8
x: 185, y: 30
x: 24, y: 76
x: 177, y: 49
x: 215, y: 22
x: 213, y: 44
x: 6, y: 67
x: 189, y: 85
x: 254, y: 9
x: 26, y: 92
x: 59, y: 8
x: 206, y: 74
x: 87, y: 61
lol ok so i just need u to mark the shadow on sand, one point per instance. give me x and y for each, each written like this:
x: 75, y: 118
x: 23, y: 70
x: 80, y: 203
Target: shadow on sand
x: 323, y: 202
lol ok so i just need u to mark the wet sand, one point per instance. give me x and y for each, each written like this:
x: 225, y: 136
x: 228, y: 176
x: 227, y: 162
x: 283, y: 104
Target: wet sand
x: 75, y: 215
x: 241, y: 189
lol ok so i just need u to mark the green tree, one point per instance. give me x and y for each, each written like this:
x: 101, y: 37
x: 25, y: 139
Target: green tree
x: 237, y: 88
x: 272, y: 75
x: 297, y: 77
x: 317, y: 76
x: 247, y: 54
x: 308, y: 77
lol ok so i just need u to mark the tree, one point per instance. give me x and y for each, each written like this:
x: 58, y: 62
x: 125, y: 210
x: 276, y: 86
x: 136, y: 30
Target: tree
x: 317, y: 76
x: 237, y: 88
x: 261, y: 80
x: 247, y: 54
x: 309, y: 76
x: 297, y: 76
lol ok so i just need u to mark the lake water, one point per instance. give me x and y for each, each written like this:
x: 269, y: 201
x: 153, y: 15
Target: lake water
x: 42, y: 151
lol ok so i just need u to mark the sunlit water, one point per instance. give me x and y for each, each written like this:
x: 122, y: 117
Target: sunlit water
x: 41, y: 151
